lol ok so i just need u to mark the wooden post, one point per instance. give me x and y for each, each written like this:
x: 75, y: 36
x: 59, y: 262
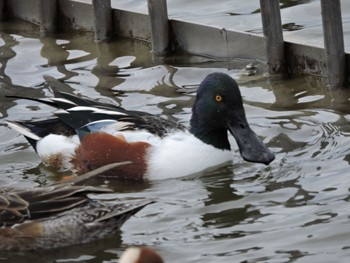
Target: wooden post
x: 334, y: 43
x: 2, y: 10
x: 272, y: 29
x: 157, y: 10
x: 47, y: 16
x: 103, y: 20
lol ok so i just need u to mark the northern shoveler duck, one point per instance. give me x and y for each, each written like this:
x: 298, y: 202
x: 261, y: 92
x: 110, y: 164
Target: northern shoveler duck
x: 87, y: 134
x: 59, y: 215
x: 140, y: 255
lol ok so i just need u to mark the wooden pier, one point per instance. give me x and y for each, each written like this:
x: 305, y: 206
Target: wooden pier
x: 166, y: 35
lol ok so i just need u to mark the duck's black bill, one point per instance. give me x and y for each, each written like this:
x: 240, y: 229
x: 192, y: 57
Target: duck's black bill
x: 252, y: 149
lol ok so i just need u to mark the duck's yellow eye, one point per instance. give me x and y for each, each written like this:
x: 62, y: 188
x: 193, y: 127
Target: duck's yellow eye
x: 218, y: 98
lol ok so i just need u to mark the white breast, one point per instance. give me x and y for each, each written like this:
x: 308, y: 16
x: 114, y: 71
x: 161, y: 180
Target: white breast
x: 182, y: 154
x: 57, y: 150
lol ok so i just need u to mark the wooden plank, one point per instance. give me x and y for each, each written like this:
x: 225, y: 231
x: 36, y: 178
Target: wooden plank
x: 157, y: 10
x: 132, y: 25
x: 305, y: 59
x: 214, y: 42
x: 2, y: 10
x: 48, y: 16
x: 76, y: 15
x: 334, y: 43
x: 103, y: 20
x: 272, y: 29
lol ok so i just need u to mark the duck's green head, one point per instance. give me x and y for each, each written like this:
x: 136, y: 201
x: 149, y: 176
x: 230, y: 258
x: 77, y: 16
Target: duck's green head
x: 218, y: 108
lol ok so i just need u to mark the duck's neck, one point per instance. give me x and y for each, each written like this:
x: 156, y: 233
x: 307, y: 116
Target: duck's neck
x: 216, y: 137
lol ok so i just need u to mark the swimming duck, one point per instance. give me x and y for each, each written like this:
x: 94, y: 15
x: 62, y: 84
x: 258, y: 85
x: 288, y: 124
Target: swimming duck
x: 59, y: 215
x: 87, y: 134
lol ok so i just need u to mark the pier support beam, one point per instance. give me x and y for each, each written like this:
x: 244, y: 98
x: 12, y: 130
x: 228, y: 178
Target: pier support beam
x: 2, y: 10
x: 103, y: 20
x: 47, y: 16
x: 272, y: 29
x: 334, y: 43
x: 158, y: 12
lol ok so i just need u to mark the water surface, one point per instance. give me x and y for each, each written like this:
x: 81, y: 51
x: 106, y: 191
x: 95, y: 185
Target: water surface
x: 294, y: 210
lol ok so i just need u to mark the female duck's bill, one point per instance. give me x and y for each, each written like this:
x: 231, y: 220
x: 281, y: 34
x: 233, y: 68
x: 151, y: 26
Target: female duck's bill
x: 87, y: 134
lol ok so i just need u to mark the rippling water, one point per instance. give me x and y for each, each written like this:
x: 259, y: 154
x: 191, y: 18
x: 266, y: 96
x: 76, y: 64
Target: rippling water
x: 294, y: 210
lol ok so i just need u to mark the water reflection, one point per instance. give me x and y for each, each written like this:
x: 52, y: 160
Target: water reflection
x: 291, y: 210
x: 96, y: 252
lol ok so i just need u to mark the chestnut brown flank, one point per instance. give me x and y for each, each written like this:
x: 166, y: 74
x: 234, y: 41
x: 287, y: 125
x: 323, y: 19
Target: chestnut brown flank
x: 98, y: 149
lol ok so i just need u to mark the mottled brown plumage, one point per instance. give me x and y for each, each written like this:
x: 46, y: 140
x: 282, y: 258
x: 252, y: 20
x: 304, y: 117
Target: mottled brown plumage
x: 59, y: 215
